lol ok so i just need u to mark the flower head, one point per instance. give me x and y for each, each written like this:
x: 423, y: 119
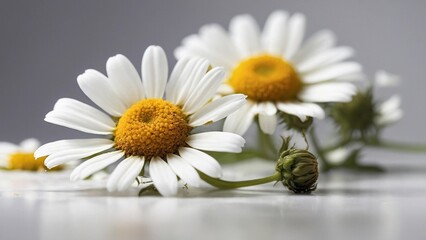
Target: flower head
x: 274, y: 69
x: 364, y: 115
x: 149, y: 123
x: 357, y: 116
x: 21, y: 157
x: 299, y: 170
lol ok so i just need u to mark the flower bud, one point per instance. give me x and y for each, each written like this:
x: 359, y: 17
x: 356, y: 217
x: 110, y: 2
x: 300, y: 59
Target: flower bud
x: 357, y: 116
x: 299, y: 170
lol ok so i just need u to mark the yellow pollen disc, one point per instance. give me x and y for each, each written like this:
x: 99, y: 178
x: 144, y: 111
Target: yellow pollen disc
x: 266, y: 78
x: 152, y: 127
x: 26, y: 161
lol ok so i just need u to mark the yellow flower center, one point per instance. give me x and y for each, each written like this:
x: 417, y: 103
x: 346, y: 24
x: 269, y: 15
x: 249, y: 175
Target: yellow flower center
x: 26, y: 161
x: 266, y: 78
x: 152, y: 127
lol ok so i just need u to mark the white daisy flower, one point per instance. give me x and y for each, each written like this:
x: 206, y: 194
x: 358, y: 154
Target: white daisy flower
x: 142, y: 126
x: 21, y: 157
x: 274, y: 69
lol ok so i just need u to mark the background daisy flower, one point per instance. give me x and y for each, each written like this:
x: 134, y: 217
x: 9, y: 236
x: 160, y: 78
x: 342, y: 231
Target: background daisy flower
x: 274, y: 69
x: 149, y: 122
x: 21, y: 157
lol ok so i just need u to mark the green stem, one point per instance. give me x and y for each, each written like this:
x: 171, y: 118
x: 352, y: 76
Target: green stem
x: 398, y: 146
x: 219, y: 183
x: 326, y: 165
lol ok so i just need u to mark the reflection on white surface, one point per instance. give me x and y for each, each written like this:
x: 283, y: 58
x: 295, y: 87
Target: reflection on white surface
x: 346, y: 206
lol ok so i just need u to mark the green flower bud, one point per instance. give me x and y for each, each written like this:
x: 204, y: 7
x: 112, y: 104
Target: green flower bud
x: 357, y: 116
x: 299, y: 170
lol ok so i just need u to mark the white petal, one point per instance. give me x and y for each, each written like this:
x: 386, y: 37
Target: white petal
x: 77, y: 108
x: 389, y: 111
x: 201, y: 161
x: 338, y: 155
x: 125, y: 79
x: 171, y: 93
x: 184, y: 170
x: 225, y: 89
x: 95, y: 164
x: 131, y: 174
x: 359, y: 76
x: 191, y: 75
x: 181, y: 52
x: 246, y: 34
x: 66, y: 155
x: 218, y: 40
x: 7, y: 148
x: 193, y: 46
x: 266, y: 108
x: 216, y: 141
x: 217, y: 109
x: 328, y: 92
x: 29, y: 145
x: 390, y: 118
x: 325, y: 58
x: 56, y: 159
x: 294, y: 38
x: 64, y: 145
x: 63, y: 119
x: 320, y: 41
x: 390, y: 105
x: 164, y: 178
x: 125, y: 174
x: 204, y: 90
x: 385, y: 79
x: 4, y: 160
x: 98, y: 88
x: 239, y: 121
x: 268, y: 123
x: 80, y: 116
x: 154, y: 72
x: 332, y: 72
x: 274, y: 33
x: 301, y: 110
x: 118, y: 173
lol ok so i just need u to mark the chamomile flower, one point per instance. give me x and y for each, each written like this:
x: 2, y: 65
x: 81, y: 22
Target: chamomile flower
x: 21, y: 157
x: 149, y: 122
x: 274, y: 69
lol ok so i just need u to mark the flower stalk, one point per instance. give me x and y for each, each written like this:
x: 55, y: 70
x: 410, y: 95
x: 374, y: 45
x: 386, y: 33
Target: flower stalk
x: 224, y: 184
x: 297, y: 169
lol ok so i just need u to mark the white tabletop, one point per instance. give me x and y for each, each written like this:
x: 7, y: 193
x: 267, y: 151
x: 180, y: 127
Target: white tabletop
x: 345, y: 206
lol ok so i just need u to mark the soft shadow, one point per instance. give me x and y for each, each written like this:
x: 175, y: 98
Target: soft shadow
x: 347, y: 192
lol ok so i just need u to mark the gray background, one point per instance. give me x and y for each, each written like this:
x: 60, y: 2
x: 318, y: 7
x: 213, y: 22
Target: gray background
x: 45, y: 45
